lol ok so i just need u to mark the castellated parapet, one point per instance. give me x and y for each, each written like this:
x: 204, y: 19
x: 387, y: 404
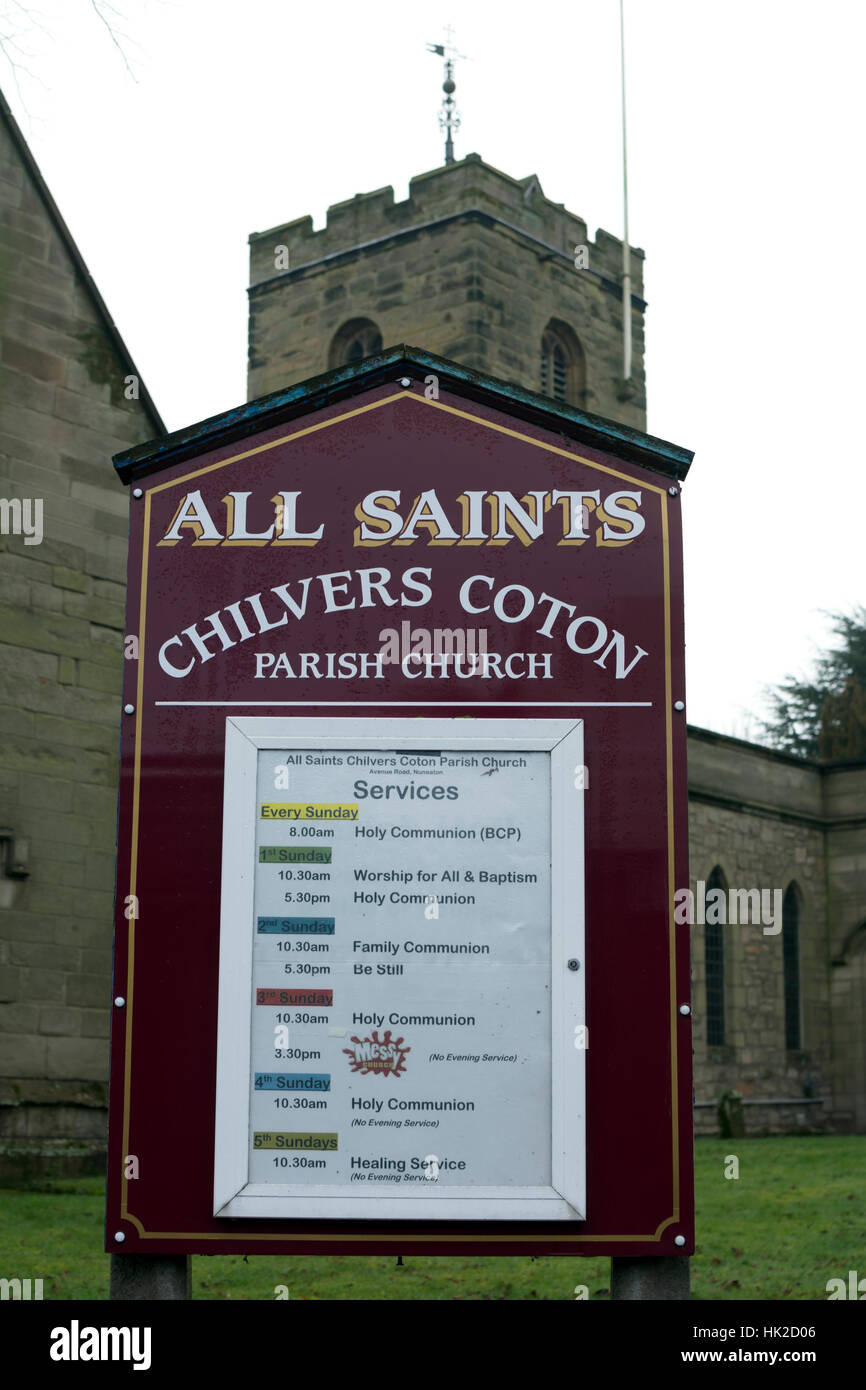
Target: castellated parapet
x: 473, y: 265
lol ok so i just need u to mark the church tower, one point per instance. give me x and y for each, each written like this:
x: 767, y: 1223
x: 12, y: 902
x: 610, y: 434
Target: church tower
x: 474, y: 266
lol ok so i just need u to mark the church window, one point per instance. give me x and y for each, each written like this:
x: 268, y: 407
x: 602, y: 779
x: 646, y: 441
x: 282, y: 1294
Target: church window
x: 563, y: 373
x: 714, y: 945
x: 357, y: 339
x: 791, y: 966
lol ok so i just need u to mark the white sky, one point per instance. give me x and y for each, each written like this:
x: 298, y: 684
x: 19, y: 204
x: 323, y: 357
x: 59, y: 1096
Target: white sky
x: 746, y: 123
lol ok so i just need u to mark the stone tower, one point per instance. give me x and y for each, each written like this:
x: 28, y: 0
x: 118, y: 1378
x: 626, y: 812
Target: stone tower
x: 474, y: 266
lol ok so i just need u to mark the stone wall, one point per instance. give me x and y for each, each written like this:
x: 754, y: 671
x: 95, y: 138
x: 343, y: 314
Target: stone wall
x: 63, y: 413
x: 758, y: 816
x: 472, y: 266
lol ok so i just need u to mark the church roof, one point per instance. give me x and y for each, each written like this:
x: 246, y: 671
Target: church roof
x: 111, y: 329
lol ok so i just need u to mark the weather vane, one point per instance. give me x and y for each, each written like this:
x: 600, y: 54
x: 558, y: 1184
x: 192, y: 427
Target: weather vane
x: 449, y: 118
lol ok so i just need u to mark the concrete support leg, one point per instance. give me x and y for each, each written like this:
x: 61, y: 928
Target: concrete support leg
x: 150, y: 1276
x: 649, y: 1277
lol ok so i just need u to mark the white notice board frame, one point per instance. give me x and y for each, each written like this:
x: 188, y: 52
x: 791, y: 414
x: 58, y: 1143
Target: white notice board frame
x: 565, y: 1198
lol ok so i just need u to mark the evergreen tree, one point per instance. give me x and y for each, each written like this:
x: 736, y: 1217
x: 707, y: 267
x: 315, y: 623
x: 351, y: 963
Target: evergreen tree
x: 824, y: 716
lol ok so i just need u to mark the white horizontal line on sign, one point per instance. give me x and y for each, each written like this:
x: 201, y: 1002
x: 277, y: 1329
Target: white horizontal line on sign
x: 432, y: 704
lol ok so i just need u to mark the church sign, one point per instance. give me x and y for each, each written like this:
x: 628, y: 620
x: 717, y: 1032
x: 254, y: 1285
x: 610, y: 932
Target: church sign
x: 402, y: 816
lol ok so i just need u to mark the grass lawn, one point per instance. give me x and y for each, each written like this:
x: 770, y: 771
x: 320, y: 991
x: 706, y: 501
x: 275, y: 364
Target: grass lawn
x: 794, y: 1218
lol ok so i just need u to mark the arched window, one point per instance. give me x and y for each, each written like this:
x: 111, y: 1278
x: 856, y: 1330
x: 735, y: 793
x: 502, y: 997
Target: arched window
x: 791, y: 965
x: 357, y: 339
x: 714, y: 947
x: 563, y: 374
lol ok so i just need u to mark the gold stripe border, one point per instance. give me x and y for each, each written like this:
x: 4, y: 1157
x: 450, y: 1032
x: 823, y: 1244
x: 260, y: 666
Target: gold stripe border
x: 661, y: 492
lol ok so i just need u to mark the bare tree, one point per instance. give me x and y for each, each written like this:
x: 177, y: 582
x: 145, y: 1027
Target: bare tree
x: 18, y: 21
x: 103, y: 8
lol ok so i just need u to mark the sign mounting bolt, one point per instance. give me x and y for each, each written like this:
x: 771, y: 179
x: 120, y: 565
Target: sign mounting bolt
x: 137, y: 492
x: 405, y: 381
x: 678, y: 704
x: 118, y: 1235
x: 674, y: 491
x: 679, y: 1240
x: 119, y: 1002
x: 574, y: 964
x: 129, y: 709
x: 684, y: 1010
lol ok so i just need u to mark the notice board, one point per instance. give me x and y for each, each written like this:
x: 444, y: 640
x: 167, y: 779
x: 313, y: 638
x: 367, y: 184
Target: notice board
x: 401, y: 962
x: 402, y: 599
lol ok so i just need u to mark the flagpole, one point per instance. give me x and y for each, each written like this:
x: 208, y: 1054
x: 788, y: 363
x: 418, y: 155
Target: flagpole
x: 626, y: 252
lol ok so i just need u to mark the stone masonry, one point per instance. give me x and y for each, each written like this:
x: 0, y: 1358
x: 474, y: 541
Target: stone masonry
x: 63, y: 413
x: 768, y: 820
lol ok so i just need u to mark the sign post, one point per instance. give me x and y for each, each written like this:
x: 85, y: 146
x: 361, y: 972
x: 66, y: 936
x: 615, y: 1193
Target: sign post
x: 402, y: 815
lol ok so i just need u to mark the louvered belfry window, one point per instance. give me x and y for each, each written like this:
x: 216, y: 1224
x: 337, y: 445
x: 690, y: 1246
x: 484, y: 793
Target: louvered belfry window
x: 560, y: 374
x: 562, y: 364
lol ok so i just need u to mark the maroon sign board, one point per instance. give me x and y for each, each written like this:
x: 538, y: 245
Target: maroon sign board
x: 403, y: 776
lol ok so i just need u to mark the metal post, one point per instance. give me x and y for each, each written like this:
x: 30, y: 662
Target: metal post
x: 649, y: 1277
x: 626, y: 250
x: 150, y: 1276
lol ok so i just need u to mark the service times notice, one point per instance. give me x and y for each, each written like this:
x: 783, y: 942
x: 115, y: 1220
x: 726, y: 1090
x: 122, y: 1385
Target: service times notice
x: 401, y: 1033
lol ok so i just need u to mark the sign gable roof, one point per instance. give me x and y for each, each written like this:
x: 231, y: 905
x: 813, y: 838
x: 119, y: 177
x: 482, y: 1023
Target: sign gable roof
x: 389, y: 366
